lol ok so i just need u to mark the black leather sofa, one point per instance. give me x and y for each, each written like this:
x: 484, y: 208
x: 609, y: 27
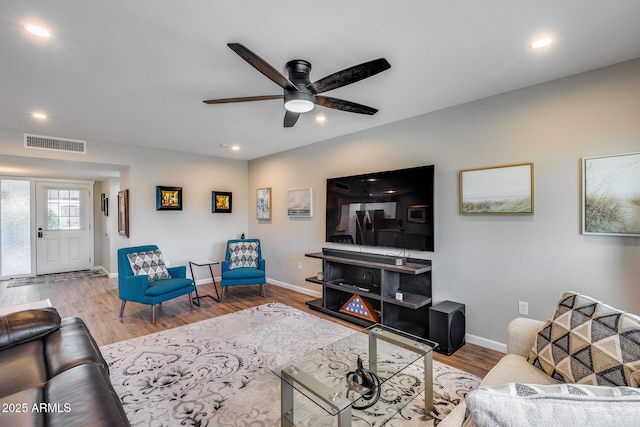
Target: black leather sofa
x: 53, y: 374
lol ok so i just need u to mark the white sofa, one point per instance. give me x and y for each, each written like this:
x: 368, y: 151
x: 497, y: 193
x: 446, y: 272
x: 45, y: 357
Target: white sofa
x: 593, y: 348
x: 513, y: 367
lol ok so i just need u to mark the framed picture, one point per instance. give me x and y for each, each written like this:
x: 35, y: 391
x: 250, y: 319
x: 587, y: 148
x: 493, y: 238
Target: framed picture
x: 417, y: 214
x: 123, y: 213
x: 611, y: 195
x: 264, y: 203
x: 220, y: 202
x: 498, y: 190
x: 169, y: 198
x: 299, y: 203
x: 104, y: 204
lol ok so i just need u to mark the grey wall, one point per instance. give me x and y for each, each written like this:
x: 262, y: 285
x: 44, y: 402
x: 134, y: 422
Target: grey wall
x: 488, y: 263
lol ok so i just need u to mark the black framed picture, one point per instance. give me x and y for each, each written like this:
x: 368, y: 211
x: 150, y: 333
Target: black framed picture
x: 104, y: 204
x: 168, y: 198
x: 221, y: 202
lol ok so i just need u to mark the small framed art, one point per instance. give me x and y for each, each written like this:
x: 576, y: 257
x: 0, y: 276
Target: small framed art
x: 221, y: 202
x: 263, y: 206
x: 299, y: 203
x: 104, y: 204
x: 168, y: 198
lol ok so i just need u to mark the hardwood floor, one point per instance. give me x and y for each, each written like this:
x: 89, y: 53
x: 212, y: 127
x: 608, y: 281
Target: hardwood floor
x: 96, y: 301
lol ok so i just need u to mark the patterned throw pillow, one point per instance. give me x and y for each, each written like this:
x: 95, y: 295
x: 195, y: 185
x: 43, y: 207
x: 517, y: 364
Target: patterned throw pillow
x: 149, y: 263
x: 243, y: 254
x: 589, y: 342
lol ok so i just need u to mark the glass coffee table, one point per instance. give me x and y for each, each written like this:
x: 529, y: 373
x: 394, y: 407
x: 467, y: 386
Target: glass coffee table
x: 329, y: 377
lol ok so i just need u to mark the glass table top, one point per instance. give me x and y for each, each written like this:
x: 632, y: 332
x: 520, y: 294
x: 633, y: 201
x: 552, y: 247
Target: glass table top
x: 325, y: 376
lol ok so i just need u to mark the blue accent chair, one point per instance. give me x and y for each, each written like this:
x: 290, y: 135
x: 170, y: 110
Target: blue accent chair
x: 139, y: 289
x: 243, y: 265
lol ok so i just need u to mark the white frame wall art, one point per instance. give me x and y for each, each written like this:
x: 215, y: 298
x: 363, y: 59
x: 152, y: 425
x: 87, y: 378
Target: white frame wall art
x: 611, y: 195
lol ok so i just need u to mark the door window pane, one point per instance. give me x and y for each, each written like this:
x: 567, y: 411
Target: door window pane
x: 15, y: 227
x: 64, y: 209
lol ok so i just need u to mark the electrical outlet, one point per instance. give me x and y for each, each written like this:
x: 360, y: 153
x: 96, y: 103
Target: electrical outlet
x: 523, y: 308
x: 299, y: 266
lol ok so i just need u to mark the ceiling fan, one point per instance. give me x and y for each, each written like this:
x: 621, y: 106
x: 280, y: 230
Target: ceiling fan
x: 300, y: 95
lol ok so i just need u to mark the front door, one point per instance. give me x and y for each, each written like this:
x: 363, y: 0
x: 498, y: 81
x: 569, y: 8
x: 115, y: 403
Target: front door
x: 64, y: 213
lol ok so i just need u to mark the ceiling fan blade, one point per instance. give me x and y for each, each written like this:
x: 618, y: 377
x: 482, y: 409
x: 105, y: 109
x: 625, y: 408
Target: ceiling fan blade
x: 261, y: 65
x: 242, y: 99
x: 350, y: 75
x: 290, y: 119
x: 341, y: 104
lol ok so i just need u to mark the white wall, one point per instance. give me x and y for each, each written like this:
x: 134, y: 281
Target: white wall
x: 488, y: 263
x: 194, y: 232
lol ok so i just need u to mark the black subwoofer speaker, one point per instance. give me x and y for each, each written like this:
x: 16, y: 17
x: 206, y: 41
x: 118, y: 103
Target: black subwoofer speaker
x: 447, y: 326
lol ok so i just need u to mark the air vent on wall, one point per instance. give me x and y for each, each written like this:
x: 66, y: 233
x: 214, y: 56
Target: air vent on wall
x: 55, y: 144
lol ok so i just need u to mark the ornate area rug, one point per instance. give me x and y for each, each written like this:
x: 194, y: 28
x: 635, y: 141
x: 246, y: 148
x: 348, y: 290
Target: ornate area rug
x: 55, y: 277
x: 217, y: 372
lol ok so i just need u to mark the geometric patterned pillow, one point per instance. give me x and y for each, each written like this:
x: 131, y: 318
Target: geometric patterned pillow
x: 149, y: 263
x: 243, y: 254
x: 589, y: 342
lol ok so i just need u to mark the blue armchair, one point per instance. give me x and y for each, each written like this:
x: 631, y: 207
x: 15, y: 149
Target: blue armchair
x: 243, y: 265
x: 152, y: 283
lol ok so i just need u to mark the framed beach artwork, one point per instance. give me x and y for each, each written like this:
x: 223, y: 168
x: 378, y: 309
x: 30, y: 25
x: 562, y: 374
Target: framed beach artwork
x: 498, y: 190
x: 299, y: 203
x: 611, y: 195
x: 221, y: 202
x: 263, y: 205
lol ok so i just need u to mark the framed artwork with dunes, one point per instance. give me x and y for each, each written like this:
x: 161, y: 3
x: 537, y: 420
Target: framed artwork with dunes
x: 497, y: 190
x: 611, y: 195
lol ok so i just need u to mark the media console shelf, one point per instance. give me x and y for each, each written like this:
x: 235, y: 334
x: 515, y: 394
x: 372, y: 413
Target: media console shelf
x: 377, y: 281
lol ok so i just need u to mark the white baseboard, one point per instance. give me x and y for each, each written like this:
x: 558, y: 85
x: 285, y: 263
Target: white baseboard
x: 487, y: 343
x: 205, y: 281
x: 295, y: 288
x: 105, y: 271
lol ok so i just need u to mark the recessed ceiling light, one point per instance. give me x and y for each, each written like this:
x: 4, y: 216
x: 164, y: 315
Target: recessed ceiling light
x: 320, y: 118
x: 235, y: 147
x: 40, y: 116
x: 540, y: 43
x: 38, y: 31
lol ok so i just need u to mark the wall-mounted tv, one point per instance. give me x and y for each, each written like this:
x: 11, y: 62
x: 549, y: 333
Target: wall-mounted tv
x: 390, y: 209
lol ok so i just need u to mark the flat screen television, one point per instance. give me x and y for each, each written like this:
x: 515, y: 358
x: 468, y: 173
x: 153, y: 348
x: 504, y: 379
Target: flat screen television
x: 388, y: 209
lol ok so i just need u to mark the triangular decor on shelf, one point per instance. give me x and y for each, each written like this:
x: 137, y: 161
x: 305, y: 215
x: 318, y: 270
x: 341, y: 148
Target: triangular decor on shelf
x: 360, y: 307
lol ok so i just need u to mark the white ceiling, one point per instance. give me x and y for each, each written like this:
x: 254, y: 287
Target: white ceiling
x: 136, y: 72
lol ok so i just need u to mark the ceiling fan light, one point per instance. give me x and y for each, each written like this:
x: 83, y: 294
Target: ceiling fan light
x: 299, y: 105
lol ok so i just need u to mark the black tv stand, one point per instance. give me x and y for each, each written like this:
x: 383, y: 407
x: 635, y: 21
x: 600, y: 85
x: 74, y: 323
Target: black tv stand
x: 376, y: 282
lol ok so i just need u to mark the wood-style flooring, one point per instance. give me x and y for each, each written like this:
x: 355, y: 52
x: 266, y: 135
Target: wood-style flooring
x: 96, y: 301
